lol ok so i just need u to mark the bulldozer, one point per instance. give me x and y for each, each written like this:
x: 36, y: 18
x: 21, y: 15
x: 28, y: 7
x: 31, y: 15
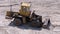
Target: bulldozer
x: 25, y: 16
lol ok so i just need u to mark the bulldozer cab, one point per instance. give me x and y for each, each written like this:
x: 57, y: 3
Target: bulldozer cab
x: 25, y: 9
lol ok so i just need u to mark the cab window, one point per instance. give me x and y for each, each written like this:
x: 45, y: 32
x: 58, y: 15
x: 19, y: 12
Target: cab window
x: 25, y: 9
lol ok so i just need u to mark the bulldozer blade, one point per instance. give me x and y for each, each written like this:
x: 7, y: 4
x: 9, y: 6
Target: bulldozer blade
x: 46, y: 23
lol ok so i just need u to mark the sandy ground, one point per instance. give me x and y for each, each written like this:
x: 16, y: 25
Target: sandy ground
x: 44, y: 8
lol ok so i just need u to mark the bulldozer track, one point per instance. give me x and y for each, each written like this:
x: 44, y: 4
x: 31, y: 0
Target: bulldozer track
x: 8, y: 5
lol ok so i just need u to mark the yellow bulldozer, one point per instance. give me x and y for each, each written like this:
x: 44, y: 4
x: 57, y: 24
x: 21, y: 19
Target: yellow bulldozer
x: 25, y: 17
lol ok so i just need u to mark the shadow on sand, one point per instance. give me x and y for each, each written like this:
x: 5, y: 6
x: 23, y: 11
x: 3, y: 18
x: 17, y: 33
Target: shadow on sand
x: 27, y: 26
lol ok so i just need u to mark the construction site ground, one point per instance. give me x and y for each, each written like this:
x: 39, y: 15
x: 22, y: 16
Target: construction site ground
x: 44, y: 8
